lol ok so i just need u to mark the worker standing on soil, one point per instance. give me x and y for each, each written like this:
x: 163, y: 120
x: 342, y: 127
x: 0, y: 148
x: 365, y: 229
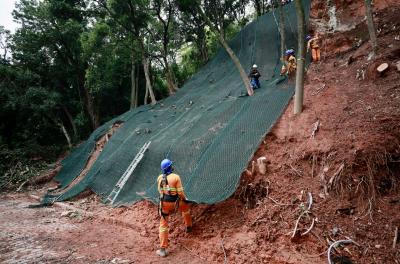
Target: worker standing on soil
x: 254, y: 75
x: 172, y: 197
x: 290, y: 65
x: 314, y: 44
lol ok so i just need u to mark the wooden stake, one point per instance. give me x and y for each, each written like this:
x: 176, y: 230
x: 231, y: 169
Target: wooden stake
x: 396, y: 233
x: 262, y: 168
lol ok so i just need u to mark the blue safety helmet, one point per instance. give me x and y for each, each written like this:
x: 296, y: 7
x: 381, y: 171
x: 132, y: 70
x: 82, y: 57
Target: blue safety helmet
x: 308, y: 37
x: 289, y: 52
x: 166, y: 166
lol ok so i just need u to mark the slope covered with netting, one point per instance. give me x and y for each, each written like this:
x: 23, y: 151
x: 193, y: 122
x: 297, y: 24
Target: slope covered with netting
x: 209, y: 128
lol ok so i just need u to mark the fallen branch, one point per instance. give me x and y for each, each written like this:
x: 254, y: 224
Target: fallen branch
x: 334, y: 244
x: 315, y: 128
x: 297, y: 223
x: 396, y: 233
x: 309, y: 229
x: 310, y: 201
x: 296, y: 171
x: 223, y: 248
x: 278, y: 203
x: 194, y: 254
x: 22, y: 185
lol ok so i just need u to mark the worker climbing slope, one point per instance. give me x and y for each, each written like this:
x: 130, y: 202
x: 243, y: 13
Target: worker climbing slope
x: 290, y: 65
x: 254, y: 76
x: 172, y: 197
x: 314, y: 44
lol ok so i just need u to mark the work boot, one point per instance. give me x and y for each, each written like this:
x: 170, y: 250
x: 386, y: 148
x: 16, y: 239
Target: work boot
x: 189, y: 229
x: 162, y: 252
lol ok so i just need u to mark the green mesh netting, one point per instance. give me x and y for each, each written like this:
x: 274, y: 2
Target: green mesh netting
x: 208, y: 128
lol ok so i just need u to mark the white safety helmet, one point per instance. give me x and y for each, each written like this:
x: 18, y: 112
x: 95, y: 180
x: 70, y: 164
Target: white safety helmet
x: 255, y: 66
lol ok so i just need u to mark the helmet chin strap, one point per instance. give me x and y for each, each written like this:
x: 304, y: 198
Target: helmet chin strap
x: 168, y: 170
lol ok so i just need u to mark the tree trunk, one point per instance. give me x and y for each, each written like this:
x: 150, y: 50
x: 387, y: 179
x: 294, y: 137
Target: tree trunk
x: 71, y: 121
x: 170, y: 78
x: 65, y: 132
x: 149, y: 88
x: 202, y: 46
x: 258, y: 7
x: 230, y: 52
x: 60, y: 124
x: 92, y: 113
x: 298, y: 98
x: 282, y: 30
x: 204, y: 51
x: 133, y: 82
x: 88, y: 100
x: 137, y: 86
x: 371, y: 26
x: 146, y: 95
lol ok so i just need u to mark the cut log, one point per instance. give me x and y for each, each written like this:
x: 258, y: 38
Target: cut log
x: 382, y: 68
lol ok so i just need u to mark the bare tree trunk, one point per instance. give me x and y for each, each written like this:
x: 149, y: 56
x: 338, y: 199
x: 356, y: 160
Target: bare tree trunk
x: 170, y: 78
x: 88, y: 101
x: 60, y: 124
x: 202, y: 46
x: 146, y: 95
x: 230, y: 52
x: 371, y: 26
x: 204, y: 51
x: 298, y: 98
x: 149, y: 88
x: 133, y: 82
x: 71, y: 121
x: 65, y: 132
x: 137, y: 86
x: 90, y: 107
x: 282, y: 30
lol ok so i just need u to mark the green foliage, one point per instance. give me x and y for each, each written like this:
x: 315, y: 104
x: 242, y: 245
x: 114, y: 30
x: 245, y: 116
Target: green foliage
x: 69, y: 64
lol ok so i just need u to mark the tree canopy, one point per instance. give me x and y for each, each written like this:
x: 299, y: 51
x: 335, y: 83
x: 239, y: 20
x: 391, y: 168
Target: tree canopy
x: 75, y: 64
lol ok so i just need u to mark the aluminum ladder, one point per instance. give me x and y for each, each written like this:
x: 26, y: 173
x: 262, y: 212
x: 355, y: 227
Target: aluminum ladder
x: 124, y: 178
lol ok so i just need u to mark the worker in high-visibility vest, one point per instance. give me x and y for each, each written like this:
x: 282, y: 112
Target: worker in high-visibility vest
x: 172, y: 197
x: 289, y: 66
x: 314, y: 44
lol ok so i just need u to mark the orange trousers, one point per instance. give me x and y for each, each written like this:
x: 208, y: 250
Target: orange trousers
x: 316, y: 54
x: 169, y: 208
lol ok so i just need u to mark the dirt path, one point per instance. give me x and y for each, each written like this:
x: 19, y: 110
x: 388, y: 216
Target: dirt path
x: 42, y: 235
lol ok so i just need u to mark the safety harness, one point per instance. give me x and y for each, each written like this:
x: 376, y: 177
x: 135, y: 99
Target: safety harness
x: 166, y: 197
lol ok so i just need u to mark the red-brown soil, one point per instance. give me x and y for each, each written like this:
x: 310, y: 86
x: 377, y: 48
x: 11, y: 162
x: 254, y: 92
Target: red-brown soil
x: 350, y: 167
